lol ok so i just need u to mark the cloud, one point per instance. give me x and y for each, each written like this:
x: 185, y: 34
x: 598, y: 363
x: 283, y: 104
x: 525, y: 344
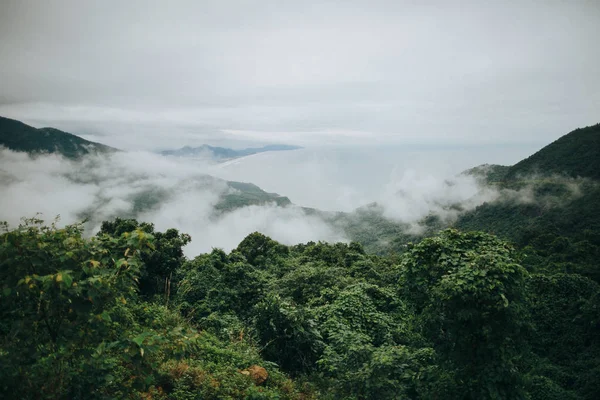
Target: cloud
x: 183, y: 193
x: 149, y: 75
x: 169, y: 192
x: 411, y: 196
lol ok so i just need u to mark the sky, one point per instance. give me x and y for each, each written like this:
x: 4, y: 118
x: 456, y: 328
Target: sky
x: 155, y: 74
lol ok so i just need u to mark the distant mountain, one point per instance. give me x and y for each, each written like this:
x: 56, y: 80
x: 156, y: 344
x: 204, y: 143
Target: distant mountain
x: 224, y: 153
x: 18, y: 136
x: 246, y: 194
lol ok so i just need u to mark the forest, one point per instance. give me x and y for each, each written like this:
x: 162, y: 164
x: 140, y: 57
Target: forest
x: 124, y: 314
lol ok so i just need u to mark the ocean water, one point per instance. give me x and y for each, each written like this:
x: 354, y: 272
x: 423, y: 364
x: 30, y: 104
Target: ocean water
x: 345, y: 178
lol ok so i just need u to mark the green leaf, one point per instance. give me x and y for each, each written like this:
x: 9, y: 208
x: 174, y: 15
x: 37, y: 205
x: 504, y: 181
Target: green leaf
x: 505, y: 299
x: 67, y: 279
x: 140, y: 338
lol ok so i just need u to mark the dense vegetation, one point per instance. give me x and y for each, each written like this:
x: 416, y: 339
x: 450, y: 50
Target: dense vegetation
x: 551, y: 205
x: 125, y: 315
x: 18, y: 136
x: 574, y: 154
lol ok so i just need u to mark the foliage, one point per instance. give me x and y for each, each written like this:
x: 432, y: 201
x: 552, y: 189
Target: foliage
x: 469, y: 292
x: 161, y: 262
x: 453, y: 317
x: 73, y: 326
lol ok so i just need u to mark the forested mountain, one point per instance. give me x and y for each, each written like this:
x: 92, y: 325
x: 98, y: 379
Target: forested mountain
x: 505, y: 307
x: 245, y: 194
x: 18, y: 136
x: 550, y: 204
x: 224, y: 153
x: 146, y: 196
x: 575, y: 155
x: 233, y: 195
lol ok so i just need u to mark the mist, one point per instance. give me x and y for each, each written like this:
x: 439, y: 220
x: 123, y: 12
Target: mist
x: 185, y: 193
x: 173, y: 194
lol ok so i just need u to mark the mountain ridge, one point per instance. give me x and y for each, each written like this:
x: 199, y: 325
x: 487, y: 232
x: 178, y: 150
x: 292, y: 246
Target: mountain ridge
x: 224, y: 153
x: 18, y: 136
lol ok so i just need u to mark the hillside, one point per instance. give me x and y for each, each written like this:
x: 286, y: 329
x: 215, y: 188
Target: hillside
x: 549, y: 204
x: 18, y: 136
x: 576, y: 154
x: 488, y: 173
x: 246, y: 194
x: 224, y: 153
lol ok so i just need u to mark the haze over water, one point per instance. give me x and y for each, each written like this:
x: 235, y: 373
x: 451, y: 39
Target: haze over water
x: 344, y: 178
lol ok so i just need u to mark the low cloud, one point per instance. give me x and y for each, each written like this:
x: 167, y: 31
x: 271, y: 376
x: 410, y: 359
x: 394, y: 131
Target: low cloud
x: 186, y: 193
x: 168, y: 192
x: 412, y: 196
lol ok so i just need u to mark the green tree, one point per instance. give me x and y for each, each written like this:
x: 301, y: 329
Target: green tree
x: 63, y: 299
x: 469, y: 293
x: 160, y: 263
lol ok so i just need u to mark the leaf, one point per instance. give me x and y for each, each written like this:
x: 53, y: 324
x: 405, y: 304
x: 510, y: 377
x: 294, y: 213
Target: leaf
x: 68, y: 279
x: 140, y: 338
x: 106, y: 316
x: 505, y: 299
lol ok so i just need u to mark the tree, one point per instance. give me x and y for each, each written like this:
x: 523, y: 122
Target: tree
x: 468, y: 291
x: 160, y: 263
x: 63, y: 300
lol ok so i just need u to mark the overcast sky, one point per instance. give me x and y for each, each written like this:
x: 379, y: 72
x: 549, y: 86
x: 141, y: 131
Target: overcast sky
x: 158, y: 74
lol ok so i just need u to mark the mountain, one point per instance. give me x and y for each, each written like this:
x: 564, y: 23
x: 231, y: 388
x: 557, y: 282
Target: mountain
x: 246, y: 194
x: 548, y: 204
x: 224, y: 153
x: 18, y: 136
x: 488, y: 173
x: 576, y: 154
x: 149, y: 197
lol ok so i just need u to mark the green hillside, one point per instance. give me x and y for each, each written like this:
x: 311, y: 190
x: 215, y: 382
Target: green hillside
x: 18, y: 136
x: 246, y: 194
x: 576, y: 154
x: 549, y: 205
x: 488, y: 173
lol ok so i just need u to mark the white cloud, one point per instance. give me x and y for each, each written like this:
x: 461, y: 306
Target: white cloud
x: 103, y: 187
x: 309, y: 72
